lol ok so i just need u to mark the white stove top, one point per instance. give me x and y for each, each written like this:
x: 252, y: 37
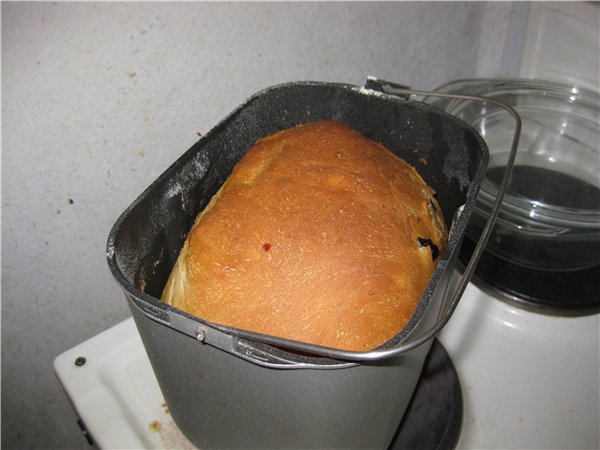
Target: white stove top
x: 528, y: 381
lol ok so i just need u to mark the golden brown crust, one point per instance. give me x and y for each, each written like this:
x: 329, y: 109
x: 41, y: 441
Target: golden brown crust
x: 314, y: 237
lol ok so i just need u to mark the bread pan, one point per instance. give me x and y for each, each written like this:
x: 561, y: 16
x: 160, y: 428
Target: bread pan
x: 230, y: 388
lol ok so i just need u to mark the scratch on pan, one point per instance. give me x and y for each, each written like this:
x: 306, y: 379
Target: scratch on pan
x: 174, y: 190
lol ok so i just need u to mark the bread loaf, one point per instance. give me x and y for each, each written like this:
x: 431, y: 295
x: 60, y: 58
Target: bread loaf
x: 319, y: 235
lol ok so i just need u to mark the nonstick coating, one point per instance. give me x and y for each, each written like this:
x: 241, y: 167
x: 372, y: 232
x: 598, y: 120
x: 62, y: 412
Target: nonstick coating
x: 146, y: 240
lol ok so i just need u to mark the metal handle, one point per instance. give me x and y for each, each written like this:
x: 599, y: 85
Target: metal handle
x: 237, y: 344
x: 448, y: 308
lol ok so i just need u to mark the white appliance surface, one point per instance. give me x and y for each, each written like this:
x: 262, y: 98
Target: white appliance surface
x: 528, y: 381
x: 116, y: 394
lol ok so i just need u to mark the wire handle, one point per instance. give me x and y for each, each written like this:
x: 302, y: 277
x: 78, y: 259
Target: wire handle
x: 411, y: 343
x: 242, y: 343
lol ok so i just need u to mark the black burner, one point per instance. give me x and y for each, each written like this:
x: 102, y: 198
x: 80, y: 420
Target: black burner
x: 562, y: 293
x: 434, y: 416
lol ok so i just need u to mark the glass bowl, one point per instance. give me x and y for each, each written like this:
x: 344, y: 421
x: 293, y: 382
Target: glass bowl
x: 550, y: 216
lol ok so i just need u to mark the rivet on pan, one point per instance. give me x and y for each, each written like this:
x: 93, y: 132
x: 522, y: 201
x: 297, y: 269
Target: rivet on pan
x: 200, y: 335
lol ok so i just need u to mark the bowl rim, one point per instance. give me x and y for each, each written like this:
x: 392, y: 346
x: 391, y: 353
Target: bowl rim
x: 582, y: 94
x: 517, y: 205
x: 542, y: 214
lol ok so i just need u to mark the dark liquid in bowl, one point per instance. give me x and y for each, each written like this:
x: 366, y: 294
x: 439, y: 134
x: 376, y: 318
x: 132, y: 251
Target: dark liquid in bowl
x: 549, y: 187
x: 568, y: 250
x: 556, y: 274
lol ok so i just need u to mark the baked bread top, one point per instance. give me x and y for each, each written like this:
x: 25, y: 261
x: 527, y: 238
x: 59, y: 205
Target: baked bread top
x: 319, y: 235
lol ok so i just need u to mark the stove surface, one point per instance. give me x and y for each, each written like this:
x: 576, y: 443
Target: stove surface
x: 115, y: 392
x: 528, y: 381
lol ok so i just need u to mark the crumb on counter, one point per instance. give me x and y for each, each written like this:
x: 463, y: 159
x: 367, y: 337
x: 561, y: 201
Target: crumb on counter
x: 155, y: 426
